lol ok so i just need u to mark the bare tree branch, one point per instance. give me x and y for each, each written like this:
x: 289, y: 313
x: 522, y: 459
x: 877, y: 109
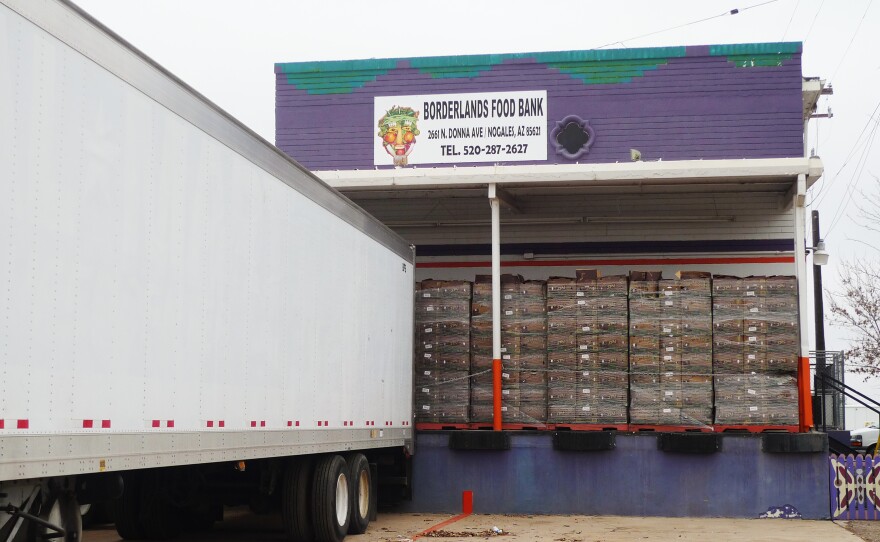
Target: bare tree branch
x: 856, y: 306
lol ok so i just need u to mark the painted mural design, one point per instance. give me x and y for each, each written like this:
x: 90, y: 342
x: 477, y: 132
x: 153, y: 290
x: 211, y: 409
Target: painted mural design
x: 786, y: 511
x: 855, y: 487
x: 398, y: 129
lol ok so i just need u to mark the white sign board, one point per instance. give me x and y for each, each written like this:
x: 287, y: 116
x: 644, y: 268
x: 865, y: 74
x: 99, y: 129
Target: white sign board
x: 460, y: 128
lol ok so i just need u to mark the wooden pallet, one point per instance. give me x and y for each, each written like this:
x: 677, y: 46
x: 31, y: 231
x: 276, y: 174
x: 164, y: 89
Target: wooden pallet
x: 756, y: 428
x: 440, y: 426
x: 590, y: 427
x: 644, y: 428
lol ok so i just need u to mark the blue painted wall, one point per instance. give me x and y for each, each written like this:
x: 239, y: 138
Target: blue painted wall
x: 634, y: 479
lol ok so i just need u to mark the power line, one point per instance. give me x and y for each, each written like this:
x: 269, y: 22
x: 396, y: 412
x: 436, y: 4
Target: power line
x: 851, y: 40
x: 790, y: 19
x: 857, y: 174
x: 818, y: 196
x: 733, y: 11
x: 816, y: 16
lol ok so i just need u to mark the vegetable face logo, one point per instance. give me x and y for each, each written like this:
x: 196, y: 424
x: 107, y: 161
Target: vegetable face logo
x: 398, y: 129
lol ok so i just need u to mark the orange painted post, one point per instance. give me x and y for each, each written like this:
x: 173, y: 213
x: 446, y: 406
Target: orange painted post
x: 467, y: 502
x: 496, y: 395
x: 805, y: 399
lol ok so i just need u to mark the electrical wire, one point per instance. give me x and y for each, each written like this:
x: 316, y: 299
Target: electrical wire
x: 850, y: 186
x: 791, y: 19
x: 857, y: 174
x: 733, y: 11
x: 819, y: 196
x: 851, y: 40
x: 816, y: 16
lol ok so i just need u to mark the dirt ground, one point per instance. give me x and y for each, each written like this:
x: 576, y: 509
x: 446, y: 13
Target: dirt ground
x: 242, y: 527
x: 869, y: 531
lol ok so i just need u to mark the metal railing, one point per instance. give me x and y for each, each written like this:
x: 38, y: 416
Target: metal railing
x: 830, y: 386
x: 831, y: 391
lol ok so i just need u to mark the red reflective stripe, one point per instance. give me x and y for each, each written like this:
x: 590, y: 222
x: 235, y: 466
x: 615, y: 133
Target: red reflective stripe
x: 262, y: 423
x: 631, y: 261
x: 105, y: 424
x: 222, y: 423
x: 2, y: 424
x: 87, y: 424
x: 170, y: 423
x: 23, y: 424
x: 210, y: 423
x: 156, y: 423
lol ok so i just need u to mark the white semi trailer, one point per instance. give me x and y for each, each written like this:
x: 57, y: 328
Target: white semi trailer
x: 189, y: 318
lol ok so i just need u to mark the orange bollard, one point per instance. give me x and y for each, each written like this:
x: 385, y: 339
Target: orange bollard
x: 467, y: 502
x: 496, y: 395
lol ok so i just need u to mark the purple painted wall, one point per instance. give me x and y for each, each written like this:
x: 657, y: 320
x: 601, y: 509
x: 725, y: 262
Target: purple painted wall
x: 635, y: 478
x: 705, y: 102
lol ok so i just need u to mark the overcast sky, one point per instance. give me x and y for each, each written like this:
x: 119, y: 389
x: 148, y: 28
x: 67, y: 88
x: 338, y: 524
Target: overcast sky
x: 227, y: 49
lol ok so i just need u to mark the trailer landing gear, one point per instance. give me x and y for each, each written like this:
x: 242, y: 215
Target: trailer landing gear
x: 57, y: 518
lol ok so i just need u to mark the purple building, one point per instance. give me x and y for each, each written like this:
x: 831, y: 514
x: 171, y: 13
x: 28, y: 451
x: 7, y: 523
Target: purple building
x: 668, y: 159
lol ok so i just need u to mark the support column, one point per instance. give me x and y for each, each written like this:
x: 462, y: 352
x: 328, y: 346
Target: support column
x: 805, y: 400
x: 819, y: 317
x: 495, y: 204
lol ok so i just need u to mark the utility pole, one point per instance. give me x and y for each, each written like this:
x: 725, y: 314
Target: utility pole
x: 819, y: 315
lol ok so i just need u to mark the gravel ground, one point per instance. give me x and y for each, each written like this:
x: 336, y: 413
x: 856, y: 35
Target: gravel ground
x: 245, y: 527
x: 869, y: 531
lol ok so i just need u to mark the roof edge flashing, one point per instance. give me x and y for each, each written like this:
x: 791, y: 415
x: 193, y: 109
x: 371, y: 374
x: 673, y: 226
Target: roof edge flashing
x: 667, y: 172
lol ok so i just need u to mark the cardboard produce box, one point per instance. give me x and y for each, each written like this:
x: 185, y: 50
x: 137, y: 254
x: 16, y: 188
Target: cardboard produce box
x: 755, y: 350
x: 442, y: 358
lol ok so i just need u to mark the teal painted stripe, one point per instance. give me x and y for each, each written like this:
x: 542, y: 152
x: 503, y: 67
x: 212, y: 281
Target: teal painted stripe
x: 757, y: 55
x: 601, y: 66
x: 753, y: 61
x: 429, y: 64
x: 603, y: 73
x: 373, y: 64
x: 788, y: 47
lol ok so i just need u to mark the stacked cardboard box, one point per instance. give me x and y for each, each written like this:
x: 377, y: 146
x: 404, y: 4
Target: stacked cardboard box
x: 442, y: 351
x: 755, y: 350
x: 670, y: 349
x: 523, y: 350
x: 587, y: 349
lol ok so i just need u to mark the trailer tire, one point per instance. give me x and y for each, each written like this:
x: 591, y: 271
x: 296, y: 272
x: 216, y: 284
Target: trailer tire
x: 125, y: 510
x: 161, y: 521
x: 63, y: 511
x: 331, y: 514
x: 296, y: 509
x: 361, y: 485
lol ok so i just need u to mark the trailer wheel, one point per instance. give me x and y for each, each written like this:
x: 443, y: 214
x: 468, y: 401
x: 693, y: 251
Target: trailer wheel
x: 125, y: 511
x: 361, y: 484
x: 63, y: 511
x: 330, y: 497
x: 161, y: 521
x: 296, y: 510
